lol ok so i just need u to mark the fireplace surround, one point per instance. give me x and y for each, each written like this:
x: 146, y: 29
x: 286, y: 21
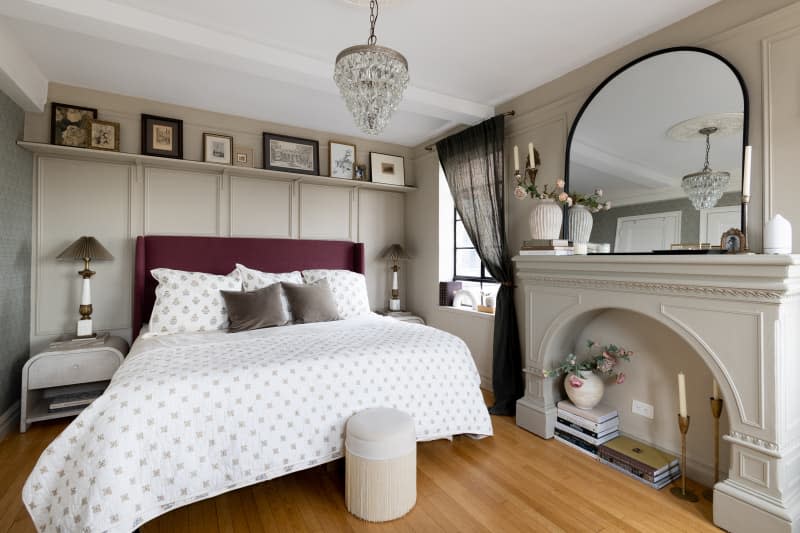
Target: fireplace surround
x: 739, y: 313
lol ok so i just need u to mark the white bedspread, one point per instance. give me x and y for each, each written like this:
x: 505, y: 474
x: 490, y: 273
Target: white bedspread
x: 191, y: 416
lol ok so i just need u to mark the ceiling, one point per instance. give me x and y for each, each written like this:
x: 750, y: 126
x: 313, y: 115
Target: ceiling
x: 273, y: 60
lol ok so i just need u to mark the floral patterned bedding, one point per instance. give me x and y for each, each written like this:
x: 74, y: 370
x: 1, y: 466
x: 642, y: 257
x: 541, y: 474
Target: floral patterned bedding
x: 190, y: 416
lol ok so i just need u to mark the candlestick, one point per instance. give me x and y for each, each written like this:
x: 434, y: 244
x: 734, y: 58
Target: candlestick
x: 682, y: 395
x: 748, y: 157
x: 716, y: 411
x: 516, y: 158
x: 681, y: 492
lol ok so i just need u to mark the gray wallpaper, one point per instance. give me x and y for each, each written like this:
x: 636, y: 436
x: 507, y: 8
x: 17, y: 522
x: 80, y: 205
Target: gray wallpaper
x: 16, y: 182
x: 605, y: 222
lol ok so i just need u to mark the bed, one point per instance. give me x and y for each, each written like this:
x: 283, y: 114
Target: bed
x: 190, y: 416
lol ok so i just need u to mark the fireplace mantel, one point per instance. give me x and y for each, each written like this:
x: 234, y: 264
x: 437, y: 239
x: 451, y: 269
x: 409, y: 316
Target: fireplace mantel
x: 740, y: 314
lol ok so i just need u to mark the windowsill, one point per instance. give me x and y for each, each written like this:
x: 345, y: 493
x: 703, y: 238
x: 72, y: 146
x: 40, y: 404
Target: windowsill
x: 466, y: 312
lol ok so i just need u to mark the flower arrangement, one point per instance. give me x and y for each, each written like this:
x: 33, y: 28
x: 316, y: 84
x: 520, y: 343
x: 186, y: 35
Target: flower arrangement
x: 603, y: 360
x: 593, y: 202
x: 526, y: 188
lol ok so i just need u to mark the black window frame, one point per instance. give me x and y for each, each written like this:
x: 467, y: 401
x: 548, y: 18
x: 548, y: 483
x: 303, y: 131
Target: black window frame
x: 485, y: 277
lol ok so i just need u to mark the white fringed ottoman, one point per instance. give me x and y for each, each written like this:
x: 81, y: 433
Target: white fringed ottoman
x: 380, y: 464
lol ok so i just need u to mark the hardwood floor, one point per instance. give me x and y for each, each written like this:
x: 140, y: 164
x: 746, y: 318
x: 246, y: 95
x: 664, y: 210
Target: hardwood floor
x: 511, y: 482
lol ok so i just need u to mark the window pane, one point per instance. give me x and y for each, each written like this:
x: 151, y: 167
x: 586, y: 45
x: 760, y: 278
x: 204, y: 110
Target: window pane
x: 468, y: 263
x: 462, y: 240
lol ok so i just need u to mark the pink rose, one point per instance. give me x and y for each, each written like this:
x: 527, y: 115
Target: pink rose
x: 563, y: 197
x: 607, y: 206
x: 520, y: 193
x: 569, y: 201
x: 620, y: 378
x: 598, y: 192
x: 575, y: 382
x: 560, y: 184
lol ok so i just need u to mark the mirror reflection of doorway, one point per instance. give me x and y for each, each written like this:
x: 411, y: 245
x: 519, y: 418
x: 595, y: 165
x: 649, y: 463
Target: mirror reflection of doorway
x: 641, y: 233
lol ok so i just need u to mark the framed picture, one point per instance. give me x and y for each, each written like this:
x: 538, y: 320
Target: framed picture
x: 387, y: 169
x: 342, y: 160
x: 162, y: 136
x: 217, y: 148
x: 361, y: 173
x: 291, y: 154
x: 734, y: 241
x: 103, y: 135
x: 243, y: 156
x: 69, y: 124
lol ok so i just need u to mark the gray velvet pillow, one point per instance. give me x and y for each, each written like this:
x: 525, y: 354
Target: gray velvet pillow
x: 311, y: 302
x: 257, y: 309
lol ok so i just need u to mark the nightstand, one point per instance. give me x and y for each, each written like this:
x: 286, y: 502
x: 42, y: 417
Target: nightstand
x: 67, y: 376
x: 403, y: 316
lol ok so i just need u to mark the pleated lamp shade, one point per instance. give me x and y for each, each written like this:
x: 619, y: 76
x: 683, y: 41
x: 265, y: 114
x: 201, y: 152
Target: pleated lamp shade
x: 85, y: 249
x: 395, y: 253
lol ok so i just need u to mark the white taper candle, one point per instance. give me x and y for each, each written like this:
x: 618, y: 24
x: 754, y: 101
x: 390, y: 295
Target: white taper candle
x: 531, y: 155
x: 682, y: 395
x: 748, y: 161
x: 715, y: 390
x: 516, y: 158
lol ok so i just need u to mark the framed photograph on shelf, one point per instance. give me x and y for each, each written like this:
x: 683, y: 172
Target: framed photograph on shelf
x: 388, y: 169
x: 291, y: 154
x: 243, y: 156
x: 217, y: 148
x: 361, y: 173
x: 69, y: 124
x: 104, y: 135
x: 341, y: 159
x: 162, y: 136
x: 734, y: 241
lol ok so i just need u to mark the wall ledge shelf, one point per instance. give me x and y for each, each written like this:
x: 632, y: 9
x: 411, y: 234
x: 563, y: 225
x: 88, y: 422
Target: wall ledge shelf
x: 87, y: 154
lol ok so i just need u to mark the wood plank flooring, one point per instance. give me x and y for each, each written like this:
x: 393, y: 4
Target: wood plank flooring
x: 512, y: 482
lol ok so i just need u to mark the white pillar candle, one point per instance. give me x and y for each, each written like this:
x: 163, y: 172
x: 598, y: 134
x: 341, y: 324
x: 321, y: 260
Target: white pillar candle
x: 531, y: 155
x: 715, y: 389
x: 682, y: 395
x: 516, y: 158
x: 86, y: 293
x: 748, y: 157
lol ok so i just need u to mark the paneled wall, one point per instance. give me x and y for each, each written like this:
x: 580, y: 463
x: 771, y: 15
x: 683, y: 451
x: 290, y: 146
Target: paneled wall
x: 117, y: 199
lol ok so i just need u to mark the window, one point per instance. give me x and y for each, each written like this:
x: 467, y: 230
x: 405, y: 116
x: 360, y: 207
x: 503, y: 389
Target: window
x: 467, y: 265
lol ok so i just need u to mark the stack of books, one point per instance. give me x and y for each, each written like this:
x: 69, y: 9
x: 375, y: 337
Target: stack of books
x: 586, y: 430
x: 640, y: 461
x: 71, y: 398
x: 546, y: 247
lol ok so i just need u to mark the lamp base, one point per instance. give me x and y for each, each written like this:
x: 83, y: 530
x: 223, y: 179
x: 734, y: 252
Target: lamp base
x: 85, y: 328
x: 394, y: 304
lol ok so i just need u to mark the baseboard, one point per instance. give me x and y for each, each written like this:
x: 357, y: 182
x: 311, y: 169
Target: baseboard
x: 9, y: 421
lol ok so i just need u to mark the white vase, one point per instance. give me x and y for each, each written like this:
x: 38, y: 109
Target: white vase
x: 545, y: 220
x: 580, y: 224
x: 589, y: 393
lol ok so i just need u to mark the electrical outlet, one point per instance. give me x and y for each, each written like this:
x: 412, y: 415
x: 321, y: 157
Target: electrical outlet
x: 642, y: 409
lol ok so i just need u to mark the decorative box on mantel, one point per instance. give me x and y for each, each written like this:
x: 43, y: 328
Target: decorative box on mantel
x: 740, y: 314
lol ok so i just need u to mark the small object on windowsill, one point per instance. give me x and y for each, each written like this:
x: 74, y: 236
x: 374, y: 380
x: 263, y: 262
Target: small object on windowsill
x: 462, y: 296
x: 486, y: 309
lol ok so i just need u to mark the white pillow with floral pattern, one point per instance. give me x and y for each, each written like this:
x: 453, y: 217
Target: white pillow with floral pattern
x: 189, y: 301
x: 349, y: 290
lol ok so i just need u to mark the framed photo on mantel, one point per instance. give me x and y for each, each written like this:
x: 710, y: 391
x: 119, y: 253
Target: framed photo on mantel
x: 291, y: 154
x: 162, y: 136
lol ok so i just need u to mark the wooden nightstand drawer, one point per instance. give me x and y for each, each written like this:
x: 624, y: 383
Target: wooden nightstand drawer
x: 67, y: 369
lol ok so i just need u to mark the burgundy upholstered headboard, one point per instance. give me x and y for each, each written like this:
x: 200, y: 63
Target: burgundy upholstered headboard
x: 219, y: 255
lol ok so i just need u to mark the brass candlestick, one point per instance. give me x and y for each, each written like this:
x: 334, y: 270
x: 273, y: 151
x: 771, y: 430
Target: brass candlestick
x: 716, y: 411
x: 745, y: 221
x: 681, y: 492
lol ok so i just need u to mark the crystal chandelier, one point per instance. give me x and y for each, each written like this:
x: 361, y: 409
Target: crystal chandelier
x: 371, y: 79
x: 706, y: 187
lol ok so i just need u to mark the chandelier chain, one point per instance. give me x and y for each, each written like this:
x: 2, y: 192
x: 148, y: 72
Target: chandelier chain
x: 708, y: 149
x: 373, y: 18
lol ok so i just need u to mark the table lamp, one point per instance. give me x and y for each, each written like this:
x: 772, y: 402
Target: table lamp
x: 395, y: 253
x: 85, y: 249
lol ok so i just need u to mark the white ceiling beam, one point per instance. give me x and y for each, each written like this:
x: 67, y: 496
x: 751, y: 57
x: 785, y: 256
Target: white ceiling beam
x: 621, y: 167
x: 127, y: 25
x: 20, y: 77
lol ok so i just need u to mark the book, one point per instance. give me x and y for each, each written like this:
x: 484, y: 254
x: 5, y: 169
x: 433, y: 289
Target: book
x: 588, y: 424
x: 583, y: 436
x: 79, y: 342
x: 638, y: 455
x: 644, y: 474
x: 598, y: 414
x: 585, y: 431
x: 70, y: 401
x: 546, y: 252
x: 544, y: 242
x: 660, y: 485
x: 583, y: 448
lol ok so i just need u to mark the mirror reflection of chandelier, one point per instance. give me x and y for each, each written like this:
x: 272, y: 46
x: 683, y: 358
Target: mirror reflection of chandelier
x: 371, y: 80
x: 706, y: 187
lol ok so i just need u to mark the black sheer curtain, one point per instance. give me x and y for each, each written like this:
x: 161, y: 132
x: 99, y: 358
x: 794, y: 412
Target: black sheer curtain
x: 473, y: 165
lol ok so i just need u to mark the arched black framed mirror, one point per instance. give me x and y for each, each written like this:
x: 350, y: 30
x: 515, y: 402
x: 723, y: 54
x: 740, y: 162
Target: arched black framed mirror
x: 640, y: 137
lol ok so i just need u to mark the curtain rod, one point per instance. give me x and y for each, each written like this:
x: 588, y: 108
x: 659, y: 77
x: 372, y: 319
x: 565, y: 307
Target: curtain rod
x: 511, y: 113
